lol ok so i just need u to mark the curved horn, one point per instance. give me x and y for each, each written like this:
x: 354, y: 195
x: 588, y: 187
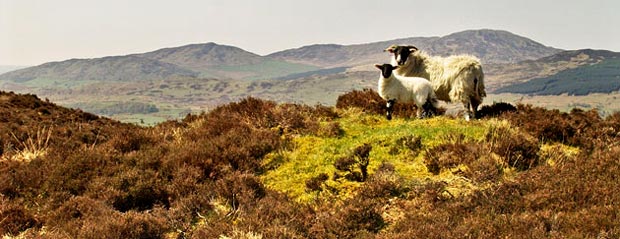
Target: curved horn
x: 391, y: 48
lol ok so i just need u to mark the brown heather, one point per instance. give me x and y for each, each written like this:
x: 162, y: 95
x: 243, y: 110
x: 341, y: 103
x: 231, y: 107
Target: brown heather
x: 199, y: 177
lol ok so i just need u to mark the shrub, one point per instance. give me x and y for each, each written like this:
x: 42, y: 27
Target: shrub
x: 240, y: 190
x: 484, y: 169
x: 449, y: 155
x: 367, y: 100
x: 14, y: 217
x: 124, y: 225
x: 411, y: 142
x: 358, y: 158
x: 315, y: 183
x: 516, y: 148
x: 494, y: 110
x: 332, y: 129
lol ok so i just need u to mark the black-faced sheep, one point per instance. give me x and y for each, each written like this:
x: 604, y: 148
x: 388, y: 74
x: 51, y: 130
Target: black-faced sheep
x: 393, y: 88
x: 455, y: 78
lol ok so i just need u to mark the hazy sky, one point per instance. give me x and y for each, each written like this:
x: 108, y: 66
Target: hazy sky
x: 33, y: 32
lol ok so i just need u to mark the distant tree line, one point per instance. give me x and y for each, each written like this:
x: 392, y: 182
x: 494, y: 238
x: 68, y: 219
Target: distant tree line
x: 117, y: 108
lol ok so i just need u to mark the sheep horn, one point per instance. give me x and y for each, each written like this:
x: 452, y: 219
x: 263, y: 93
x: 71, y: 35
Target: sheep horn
x: 391, y: 48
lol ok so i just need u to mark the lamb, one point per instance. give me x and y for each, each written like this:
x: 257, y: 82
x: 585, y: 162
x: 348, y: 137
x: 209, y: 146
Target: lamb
x: 455, y: 78
x: 394, y: 88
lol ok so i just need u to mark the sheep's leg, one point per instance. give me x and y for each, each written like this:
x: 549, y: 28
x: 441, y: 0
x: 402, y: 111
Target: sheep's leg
x: 474, y: 106
x: 390, y: 108
x: 428, y: 109
x: 421, y: 113
x: 468, y: 113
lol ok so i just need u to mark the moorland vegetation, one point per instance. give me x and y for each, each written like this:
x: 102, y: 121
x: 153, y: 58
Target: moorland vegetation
x: 258, y: 169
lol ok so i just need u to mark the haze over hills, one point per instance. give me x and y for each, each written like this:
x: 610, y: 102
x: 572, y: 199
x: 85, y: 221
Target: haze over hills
x: 599, y: 72
x: 5, y: 69
x: 334, y: 55
x: 503, y: 75
x: 195, y: 60
x: 174, y: 81
x: 491, y: 46
x: 221, y: 61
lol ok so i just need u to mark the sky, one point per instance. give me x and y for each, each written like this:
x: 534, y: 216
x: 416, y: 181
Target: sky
x: 33, y: 32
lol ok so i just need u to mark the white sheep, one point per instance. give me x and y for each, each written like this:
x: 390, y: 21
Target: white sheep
x: 394, y: 88
x: 455, y: 78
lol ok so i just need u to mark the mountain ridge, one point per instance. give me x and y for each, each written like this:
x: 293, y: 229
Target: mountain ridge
x: 224, y: 61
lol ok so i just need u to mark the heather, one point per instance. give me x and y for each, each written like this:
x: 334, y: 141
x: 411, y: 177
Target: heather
x: 258, y: 169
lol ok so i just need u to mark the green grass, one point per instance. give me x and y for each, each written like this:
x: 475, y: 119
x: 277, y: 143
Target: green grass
x: 313, y: 155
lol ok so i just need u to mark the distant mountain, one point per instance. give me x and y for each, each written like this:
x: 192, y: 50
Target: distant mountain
x: 491, y: 46
x: 107, y: 68
x: 171, y: 82
x: 202, y: 57
x: 502, y: 75
x: 196, y: 60
x: 333, y: 55
x: 583, y: 72
x: 211, y: 60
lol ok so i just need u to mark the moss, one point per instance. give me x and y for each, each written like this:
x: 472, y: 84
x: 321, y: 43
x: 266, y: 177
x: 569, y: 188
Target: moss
x: 312, y: 156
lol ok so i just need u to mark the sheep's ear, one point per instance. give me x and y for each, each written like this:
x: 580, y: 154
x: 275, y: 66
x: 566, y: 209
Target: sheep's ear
x: 412, y: 48
x: 395, y: 67
x: 380, y: 67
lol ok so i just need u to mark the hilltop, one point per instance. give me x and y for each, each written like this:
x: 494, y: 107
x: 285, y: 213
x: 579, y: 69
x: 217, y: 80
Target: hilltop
x: 255, y: 168
x: 222, y: 61
x: 195, y: 60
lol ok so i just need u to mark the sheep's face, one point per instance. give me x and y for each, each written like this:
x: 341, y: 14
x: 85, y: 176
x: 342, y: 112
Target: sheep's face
x: 401, y: 53
x: 386, y: 70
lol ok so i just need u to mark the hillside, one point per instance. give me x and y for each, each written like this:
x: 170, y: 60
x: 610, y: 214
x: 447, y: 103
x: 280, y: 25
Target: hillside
x: 502, y: 75
x: 491, y: 46
x: 115, y: 68
x: 602, y: 77
x: 221, y: 61
x: 258, y: 169
x: 334, y: 55
x: 196, y: 60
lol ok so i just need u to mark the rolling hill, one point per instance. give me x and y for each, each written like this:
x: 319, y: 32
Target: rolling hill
x: 503, y: 75
x: 601, y: 77
x: 491, y: 46
x: 220, y: 61
x: 196, y: 60
x: 115, y: 68
x: 168, y: 83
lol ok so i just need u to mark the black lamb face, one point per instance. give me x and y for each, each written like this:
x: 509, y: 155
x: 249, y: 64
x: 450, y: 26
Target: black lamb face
x: 386, y: 70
